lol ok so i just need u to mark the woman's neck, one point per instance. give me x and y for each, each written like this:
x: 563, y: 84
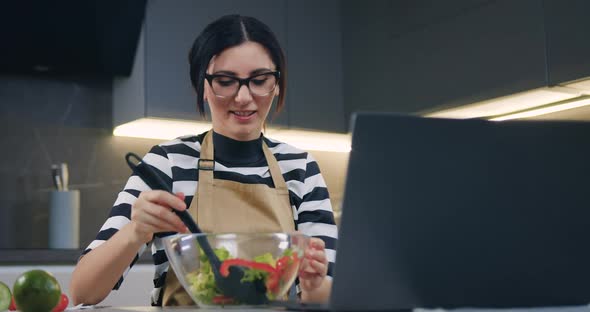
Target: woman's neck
x: 228, y: 150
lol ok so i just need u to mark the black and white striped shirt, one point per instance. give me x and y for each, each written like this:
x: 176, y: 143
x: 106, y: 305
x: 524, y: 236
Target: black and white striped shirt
x: 176, y: 162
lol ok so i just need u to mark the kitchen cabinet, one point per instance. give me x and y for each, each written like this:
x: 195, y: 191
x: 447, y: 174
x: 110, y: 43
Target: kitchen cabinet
x: 568, y: 47
x: 414, y: 56
x: 307, y: 30
x: 159, y: 85
x: 407, y: 56
x: 314, y: 53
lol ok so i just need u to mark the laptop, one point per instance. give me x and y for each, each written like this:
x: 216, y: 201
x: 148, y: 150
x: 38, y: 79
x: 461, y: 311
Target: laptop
x: 444, y: 213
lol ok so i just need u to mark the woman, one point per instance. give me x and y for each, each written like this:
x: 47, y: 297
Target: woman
x: 237, y: 68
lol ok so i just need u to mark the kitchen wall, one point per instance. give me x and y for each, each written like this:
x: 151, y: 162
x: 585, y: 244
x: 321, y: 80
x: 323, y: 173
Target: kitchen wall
x: 403, y: 56
x: 47, y: 120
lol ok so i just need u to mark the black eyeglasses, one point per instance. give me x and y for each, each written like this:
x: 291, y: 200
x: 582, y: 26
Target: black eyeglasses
x: 225, y: 86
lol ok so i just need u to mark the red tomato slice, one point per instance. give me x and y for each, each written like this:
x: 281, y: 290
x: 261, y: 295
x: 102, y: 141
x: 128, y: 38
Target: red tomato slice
x: 282, y: 263
x: 221, y: 299
x: 62, y: 304
x: 272, y: 282
x: 12, y: 306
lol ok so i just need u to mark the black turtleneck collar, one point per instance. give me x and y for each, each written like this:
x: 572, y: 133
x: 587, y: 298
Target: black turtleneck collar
x: 235, y: 152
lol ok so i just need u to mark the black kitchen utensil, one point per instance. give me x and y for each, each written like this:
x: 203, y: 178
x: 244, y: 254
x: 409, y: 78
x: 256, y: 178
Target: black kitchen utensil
x: 232, y: 286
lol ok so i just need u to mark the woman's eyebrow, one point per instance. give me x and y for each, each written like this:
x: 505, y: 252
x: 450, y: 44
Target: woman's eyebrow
x: 225, y: 72
x: 253, y: 72
x: 260, y: 71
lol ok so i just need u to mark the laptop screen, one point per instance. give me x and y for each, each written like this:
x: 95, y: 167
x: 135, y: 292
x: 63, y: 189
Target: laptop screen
x: 464, y: 213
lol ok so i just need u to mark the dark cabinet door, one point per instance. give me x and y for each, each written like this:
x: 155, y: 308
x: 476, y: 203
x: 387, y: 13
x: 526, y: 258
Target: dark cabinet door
x: 414, y: 56
x: 314, y: 48
x: 568, y: 39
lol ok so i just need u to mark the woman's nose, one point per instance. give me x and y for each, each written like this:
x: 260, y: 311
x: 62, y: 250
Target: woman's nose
x: 243, y: 95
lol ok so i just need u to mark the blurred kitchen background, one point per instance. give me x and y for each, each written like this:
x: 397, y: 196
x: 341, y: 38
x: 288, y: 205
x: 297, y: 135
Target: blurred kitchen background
x: 73, y: 71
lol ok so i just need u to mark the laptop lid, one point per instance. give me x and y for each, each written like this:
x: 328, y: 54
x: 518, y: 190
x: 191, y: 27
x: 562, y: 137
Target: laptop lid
x: 464, y: 213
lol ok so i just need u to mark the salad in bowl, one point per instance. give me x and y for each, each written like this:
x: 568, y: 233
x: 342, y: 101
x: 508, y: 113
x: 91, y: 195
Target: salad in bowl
x: 269, y: 260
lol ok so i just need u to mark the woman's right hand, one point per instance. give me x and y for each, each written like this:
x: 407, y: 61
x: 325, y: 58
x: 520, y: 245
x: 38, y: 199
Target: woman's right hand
x: 153, y: 212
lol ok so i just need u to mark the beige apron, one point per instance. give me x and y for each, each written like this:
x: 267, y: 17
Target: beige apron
x: 222, y: 206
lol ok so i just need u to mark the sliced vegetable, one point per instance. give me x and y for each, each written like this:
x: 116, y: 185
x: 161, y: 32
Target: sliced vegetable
x: 273, y: 272
x: 266, y: 258
x: 5, y: 296
x: 12, y: 306
x: 224, y: 269
x: 272, y: 283
x: 221, y: 299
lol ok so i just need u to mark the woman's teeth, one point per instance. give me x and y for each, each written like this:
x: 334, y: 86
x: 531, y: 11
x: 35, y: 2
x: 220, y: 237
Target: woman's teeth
x: 244, y: 114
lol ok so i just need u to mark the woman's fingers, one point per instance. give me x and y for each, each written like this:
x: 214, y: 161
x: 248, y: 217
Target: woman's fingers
x: 314, y: 266
x: 166, y: 217
x: 315, y: 263
x: 307, y: 275
x: 156, y: 204
x: 319, y: 255
x: 164, y: 198
x: 319, y: 267
x: 313, y: 269
x: 162, y: 219
x: 305, y: 266
x: 317, y: 243
x: 151, y: 224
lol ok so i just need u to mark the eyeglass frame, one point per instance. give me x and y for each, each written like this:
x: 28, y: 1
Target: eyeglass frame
x: 241, y: 82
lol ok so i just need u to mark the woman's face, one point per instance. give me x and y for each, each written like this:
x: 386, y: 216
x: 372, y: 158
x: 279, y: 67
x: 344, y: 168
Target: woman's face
x: 241, y: 116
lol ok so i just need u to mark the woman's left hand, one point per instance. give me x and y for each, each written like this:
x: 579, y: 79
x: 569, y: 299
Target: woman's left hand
x: 314, y: 266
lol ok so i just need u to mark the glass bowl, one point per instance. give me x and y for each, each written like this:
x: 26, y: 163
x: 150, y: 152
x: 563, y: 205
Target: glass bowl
x: 271, y: 259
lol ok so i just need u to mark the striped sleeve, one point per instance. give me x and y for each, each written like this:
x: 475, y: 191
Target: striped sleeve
x: 120, y: 214
x: 314, y: 211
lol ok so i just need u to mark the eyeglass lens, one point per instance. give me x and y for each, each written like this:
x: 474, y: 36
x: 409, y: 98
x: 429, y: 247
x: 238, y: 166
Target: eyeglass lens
x: 258, y: 85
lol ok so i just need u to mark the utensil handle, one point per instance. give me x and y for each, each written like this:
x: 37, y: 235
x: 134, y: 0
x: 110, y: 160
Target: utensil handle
x: 154, y: 181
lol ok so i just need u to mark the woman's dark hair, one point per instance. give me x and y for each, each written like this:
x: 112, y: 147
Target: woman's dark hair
x: 226, y: 32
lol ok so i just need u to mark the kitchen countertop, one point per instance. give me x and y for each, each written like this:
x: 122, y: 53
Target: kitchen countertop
x: 167, y: 309
x: 48, y: 256
x: 585, y: 308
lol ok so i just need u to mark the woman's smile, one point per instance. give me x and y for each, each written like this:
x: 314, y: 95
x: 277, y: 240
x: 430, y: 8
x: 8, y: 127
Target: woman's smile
x: 243, y: 116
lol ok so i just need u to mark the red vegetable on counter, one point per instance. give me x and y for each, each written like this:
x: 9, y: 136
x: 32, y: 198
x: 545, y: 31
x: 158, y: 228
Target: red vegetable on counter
x: 62, y: 304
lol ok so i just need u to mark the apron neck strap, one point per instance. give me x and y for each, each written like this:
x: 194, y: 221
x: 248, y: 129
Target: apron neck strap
x: 206, y: 164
